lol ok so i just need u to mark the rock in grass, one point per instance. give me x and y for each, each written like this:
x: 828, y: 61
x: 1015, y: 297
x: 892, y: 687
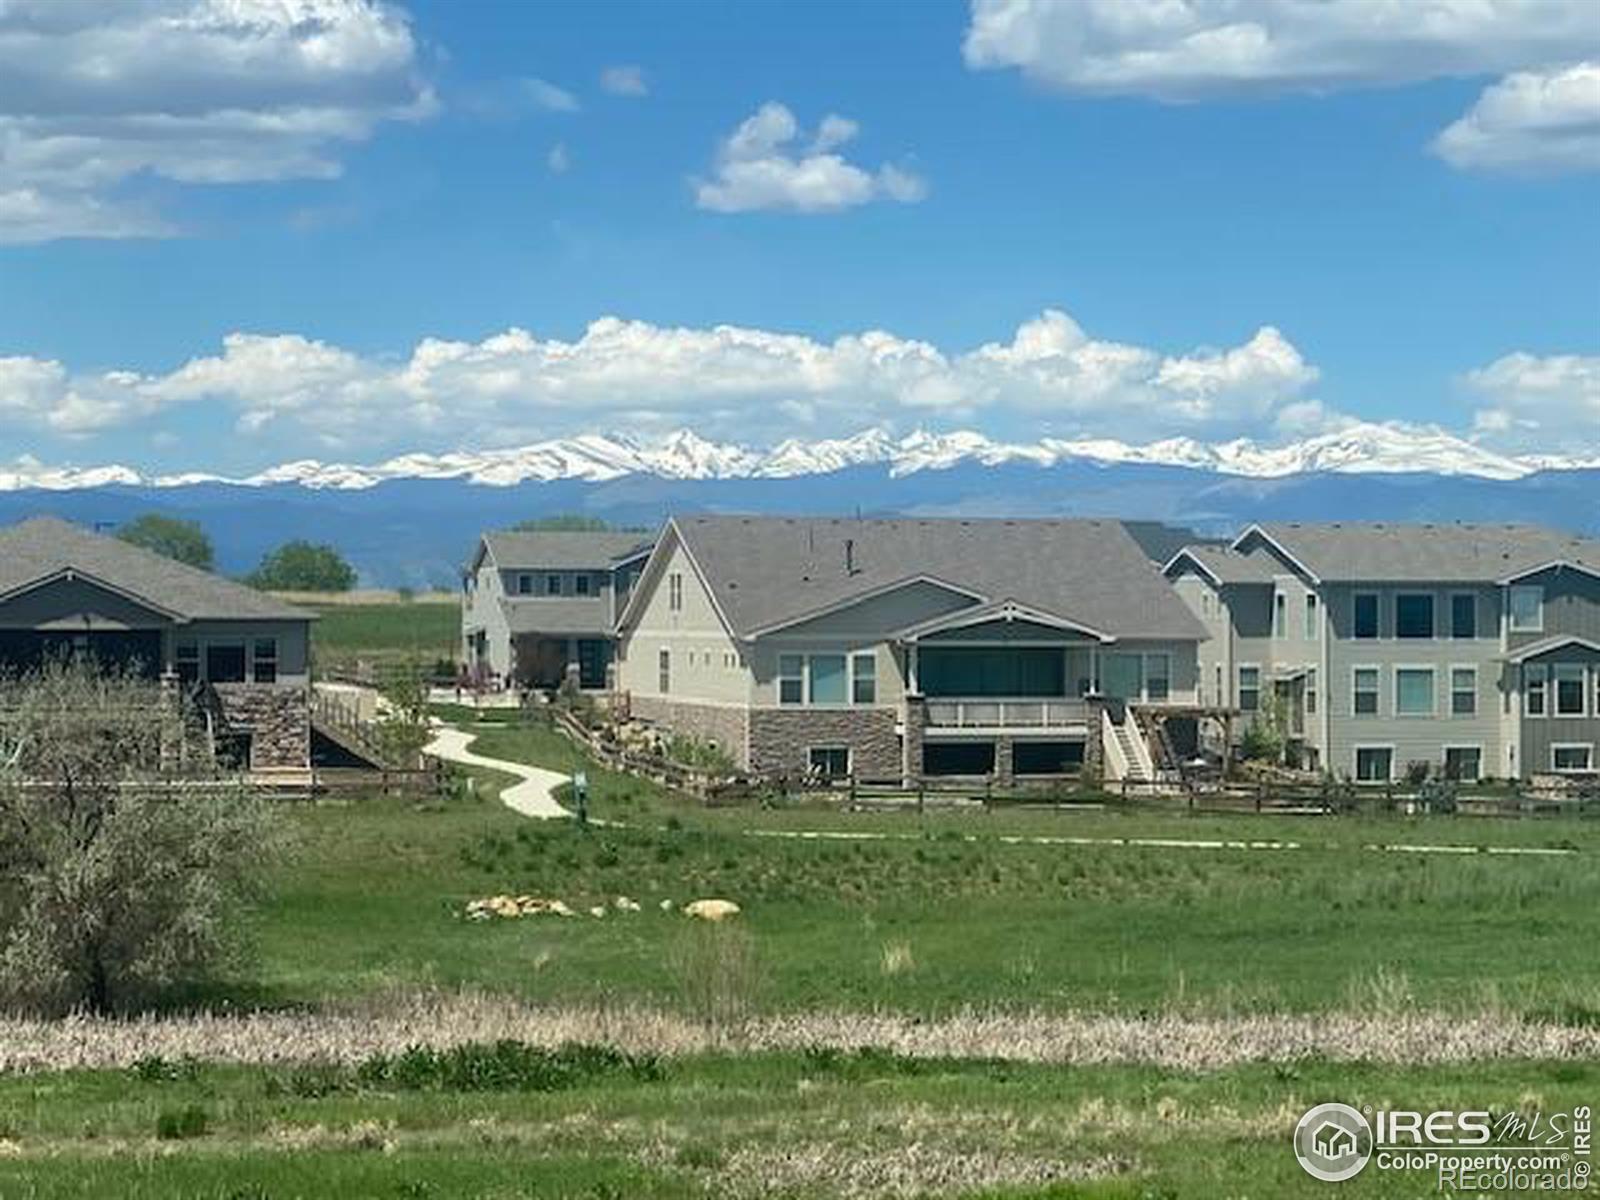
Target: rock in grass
x: 712, y: 910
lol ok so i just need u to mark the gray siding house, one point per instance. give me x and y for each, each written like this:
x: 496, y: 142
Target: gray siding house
x: 1474, y: 649
x: 538, y: 607
x: 242, y: 654
x: 895, y: 649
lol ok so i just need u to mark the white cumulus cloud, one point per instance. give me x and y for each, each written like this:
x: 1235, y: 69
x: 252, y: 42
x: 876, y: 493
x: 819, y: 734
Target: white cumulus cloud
x: 1531, y: 121
x: 767, y: 164
x: 549, y: 96
x: 1549, y: 402
x: 724, y: 380
x: 96, y: 93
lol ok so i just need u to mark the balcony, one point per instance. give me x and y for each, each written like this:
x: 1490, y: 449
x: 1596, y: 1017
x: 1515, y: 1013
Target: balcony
x: 948, y: 713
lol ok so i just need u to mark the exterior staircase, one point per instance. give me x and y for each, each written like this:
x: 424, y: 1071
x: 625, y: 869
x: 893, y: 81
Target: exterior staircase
x: 1127, y: 755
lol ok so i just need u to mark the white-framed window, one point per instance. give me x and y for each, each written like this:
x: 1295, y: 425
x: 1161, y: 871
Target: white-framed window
x: 1463, y: 764
x: 580, y: 583
x: 675, y: 592
x: 1527, y: 609
x: 552, y: 585
x: 828, y: 762
x: 1572, y: 757
x: 1413, y: 692
x: 1463, y: 615
x: 864, y: 678
x: 1364, y: 691
x: 1364, y: 617
x: 1312, y: 699
x: 1413, y: 615
x: 1534, y: 676
x: 791, y: 679
x: 664, y: 671
x: 525, y: 584
x: 1374, y: 764
x: 1570, y: 688
x: 1313, y: 626
x: 1280, y: 615
x: 1157, y: 677
x: 264, y: 660
x: 1249, y: 688
x: 1463, y: 691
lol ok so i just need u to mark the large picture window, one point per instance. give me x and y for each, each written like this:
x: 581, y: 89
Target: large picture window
x: 826, y: 673
x: 1413, y: 691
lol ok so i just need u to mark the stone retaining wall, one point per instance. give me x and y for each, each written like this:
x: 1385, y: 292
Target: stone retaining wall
x: 726, y: 726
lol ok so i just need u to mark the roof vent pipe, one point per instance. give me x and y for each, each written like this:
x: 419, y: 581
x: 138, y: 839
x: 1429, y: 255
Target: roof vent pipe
x: 849, y: 556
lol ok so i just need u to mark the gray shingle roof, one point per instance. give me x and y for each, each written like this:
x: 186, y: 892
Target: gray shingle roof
x: 553, y: 615
x: 767, y: 570
x: 41, y: 547
x: 560, y: 551
x: 1421, y: 553
x: 1229, y: 566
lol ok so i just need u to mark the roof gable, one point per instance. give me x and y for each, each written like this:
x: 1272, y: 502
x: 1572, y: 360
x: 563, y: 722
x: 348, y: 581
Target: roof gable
x: 1420, y: 552
x: 558, y: 550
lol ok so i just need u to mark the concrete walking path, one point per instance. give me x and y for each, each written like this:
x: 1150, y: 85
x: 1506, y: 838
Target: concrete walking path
x: 532, y: 794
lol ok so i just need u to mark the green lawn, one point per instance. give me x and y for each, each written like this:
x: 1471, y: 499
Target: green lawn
x: 789, y: 1125
x: 969, y: 915
x: 385, y: 633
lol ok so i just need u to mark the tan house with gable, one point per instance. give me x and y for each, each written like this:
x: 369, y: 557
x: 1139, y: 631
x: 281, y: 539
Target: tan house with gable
x: 896, y: 649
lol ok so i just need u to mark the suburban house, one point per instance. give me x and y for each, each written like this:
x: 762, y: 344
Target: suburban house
x: 1473, y: 649
x: 537, y: 608
x: 897, y: 649
x: 240, y: 655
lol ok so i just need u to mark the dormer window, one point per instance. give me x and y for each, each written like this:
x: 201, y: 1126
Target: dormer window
x: 1527, y: 609
x: 552, y: 585
x: 580, y: 585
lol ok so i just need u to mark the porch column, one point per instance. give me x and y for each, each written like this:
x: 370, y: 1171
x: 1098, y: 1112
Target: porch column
x: 573, y: 671
x: 1094, y: 667
x: 913, y: 684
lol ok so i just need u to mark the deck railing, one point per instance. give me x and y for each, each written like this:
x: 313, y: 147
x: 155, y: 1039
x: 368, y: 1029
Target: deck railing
x: 1005, y: 714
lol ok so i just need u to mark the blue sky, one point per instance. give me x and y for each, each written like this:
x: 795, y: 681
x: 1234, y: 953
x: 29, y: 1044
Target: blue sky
x: 384, y: 228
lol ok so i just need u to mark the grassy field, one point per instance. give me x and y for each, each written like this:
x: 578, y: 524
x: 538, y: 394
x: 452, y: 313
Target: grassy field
x: 792, y: 1125
x: 850, y: 921
x: 385, y: 632
x: 942, y: 911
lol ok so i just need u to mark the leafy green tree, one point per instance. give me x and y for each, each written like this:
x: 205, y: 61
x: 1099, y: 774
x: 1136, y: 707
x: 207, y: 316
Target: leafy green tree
x: 563, y: 523
x: 301, y: 566
x: 125, y: 857
x: 172, y: 537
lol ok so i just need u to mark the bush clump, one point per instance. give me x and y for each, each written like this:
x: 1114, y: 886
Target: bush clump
x: 504, y: 1066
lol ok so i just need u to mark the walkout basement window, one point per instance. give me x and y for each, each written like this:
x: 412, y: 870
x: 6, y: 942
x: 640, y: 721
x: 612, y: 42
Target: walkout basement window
x: 664, y: 671
x: 1413, y: 691
x: 1527, y: 610
x: 1569, y: 690
x: 1374, y: 764
x: 1249, y: 688
x: 1413, y: 615
x: 1463, y: 764
x: 1366, y: 614
x: 1463, y: 615
x: 1533, y: 689
x: 826, y: 674
x: 958, y: 758
x: 829, y: 762
x: 1364, y: 692
x: 1463, y: 691
x: 1047, y: 758
x: 791, y: 679
x: 864, y: 678
x: 1572, y: 756
x: 264, y: 660
x: 186, y: 659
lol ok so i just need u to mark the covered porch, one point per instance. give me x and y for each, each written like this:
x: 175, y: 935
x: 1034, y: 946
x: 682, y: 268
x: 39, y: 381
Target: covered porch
x: 547, y: 660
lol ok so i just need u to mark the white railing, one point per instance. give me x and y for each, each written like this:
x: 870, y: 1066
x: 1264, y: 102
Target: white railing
x: 1005, y: 714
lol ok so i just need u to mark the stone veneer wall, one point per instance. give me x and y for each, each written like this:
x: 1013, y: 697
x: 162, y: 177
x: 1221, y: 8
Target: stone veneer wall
x: 278, y: 717
x: 779, y: 738
x: 726, y: 725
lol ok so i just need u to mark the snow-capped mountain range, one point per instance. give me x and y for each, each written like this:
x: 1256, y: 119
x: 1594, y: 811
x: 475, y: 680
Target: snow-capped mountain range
x: 684, y: 455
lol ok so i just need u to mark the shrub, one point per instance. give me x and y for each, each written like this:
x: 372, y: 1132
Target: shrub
x: 502, y: 1066
x: 718, y: 977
